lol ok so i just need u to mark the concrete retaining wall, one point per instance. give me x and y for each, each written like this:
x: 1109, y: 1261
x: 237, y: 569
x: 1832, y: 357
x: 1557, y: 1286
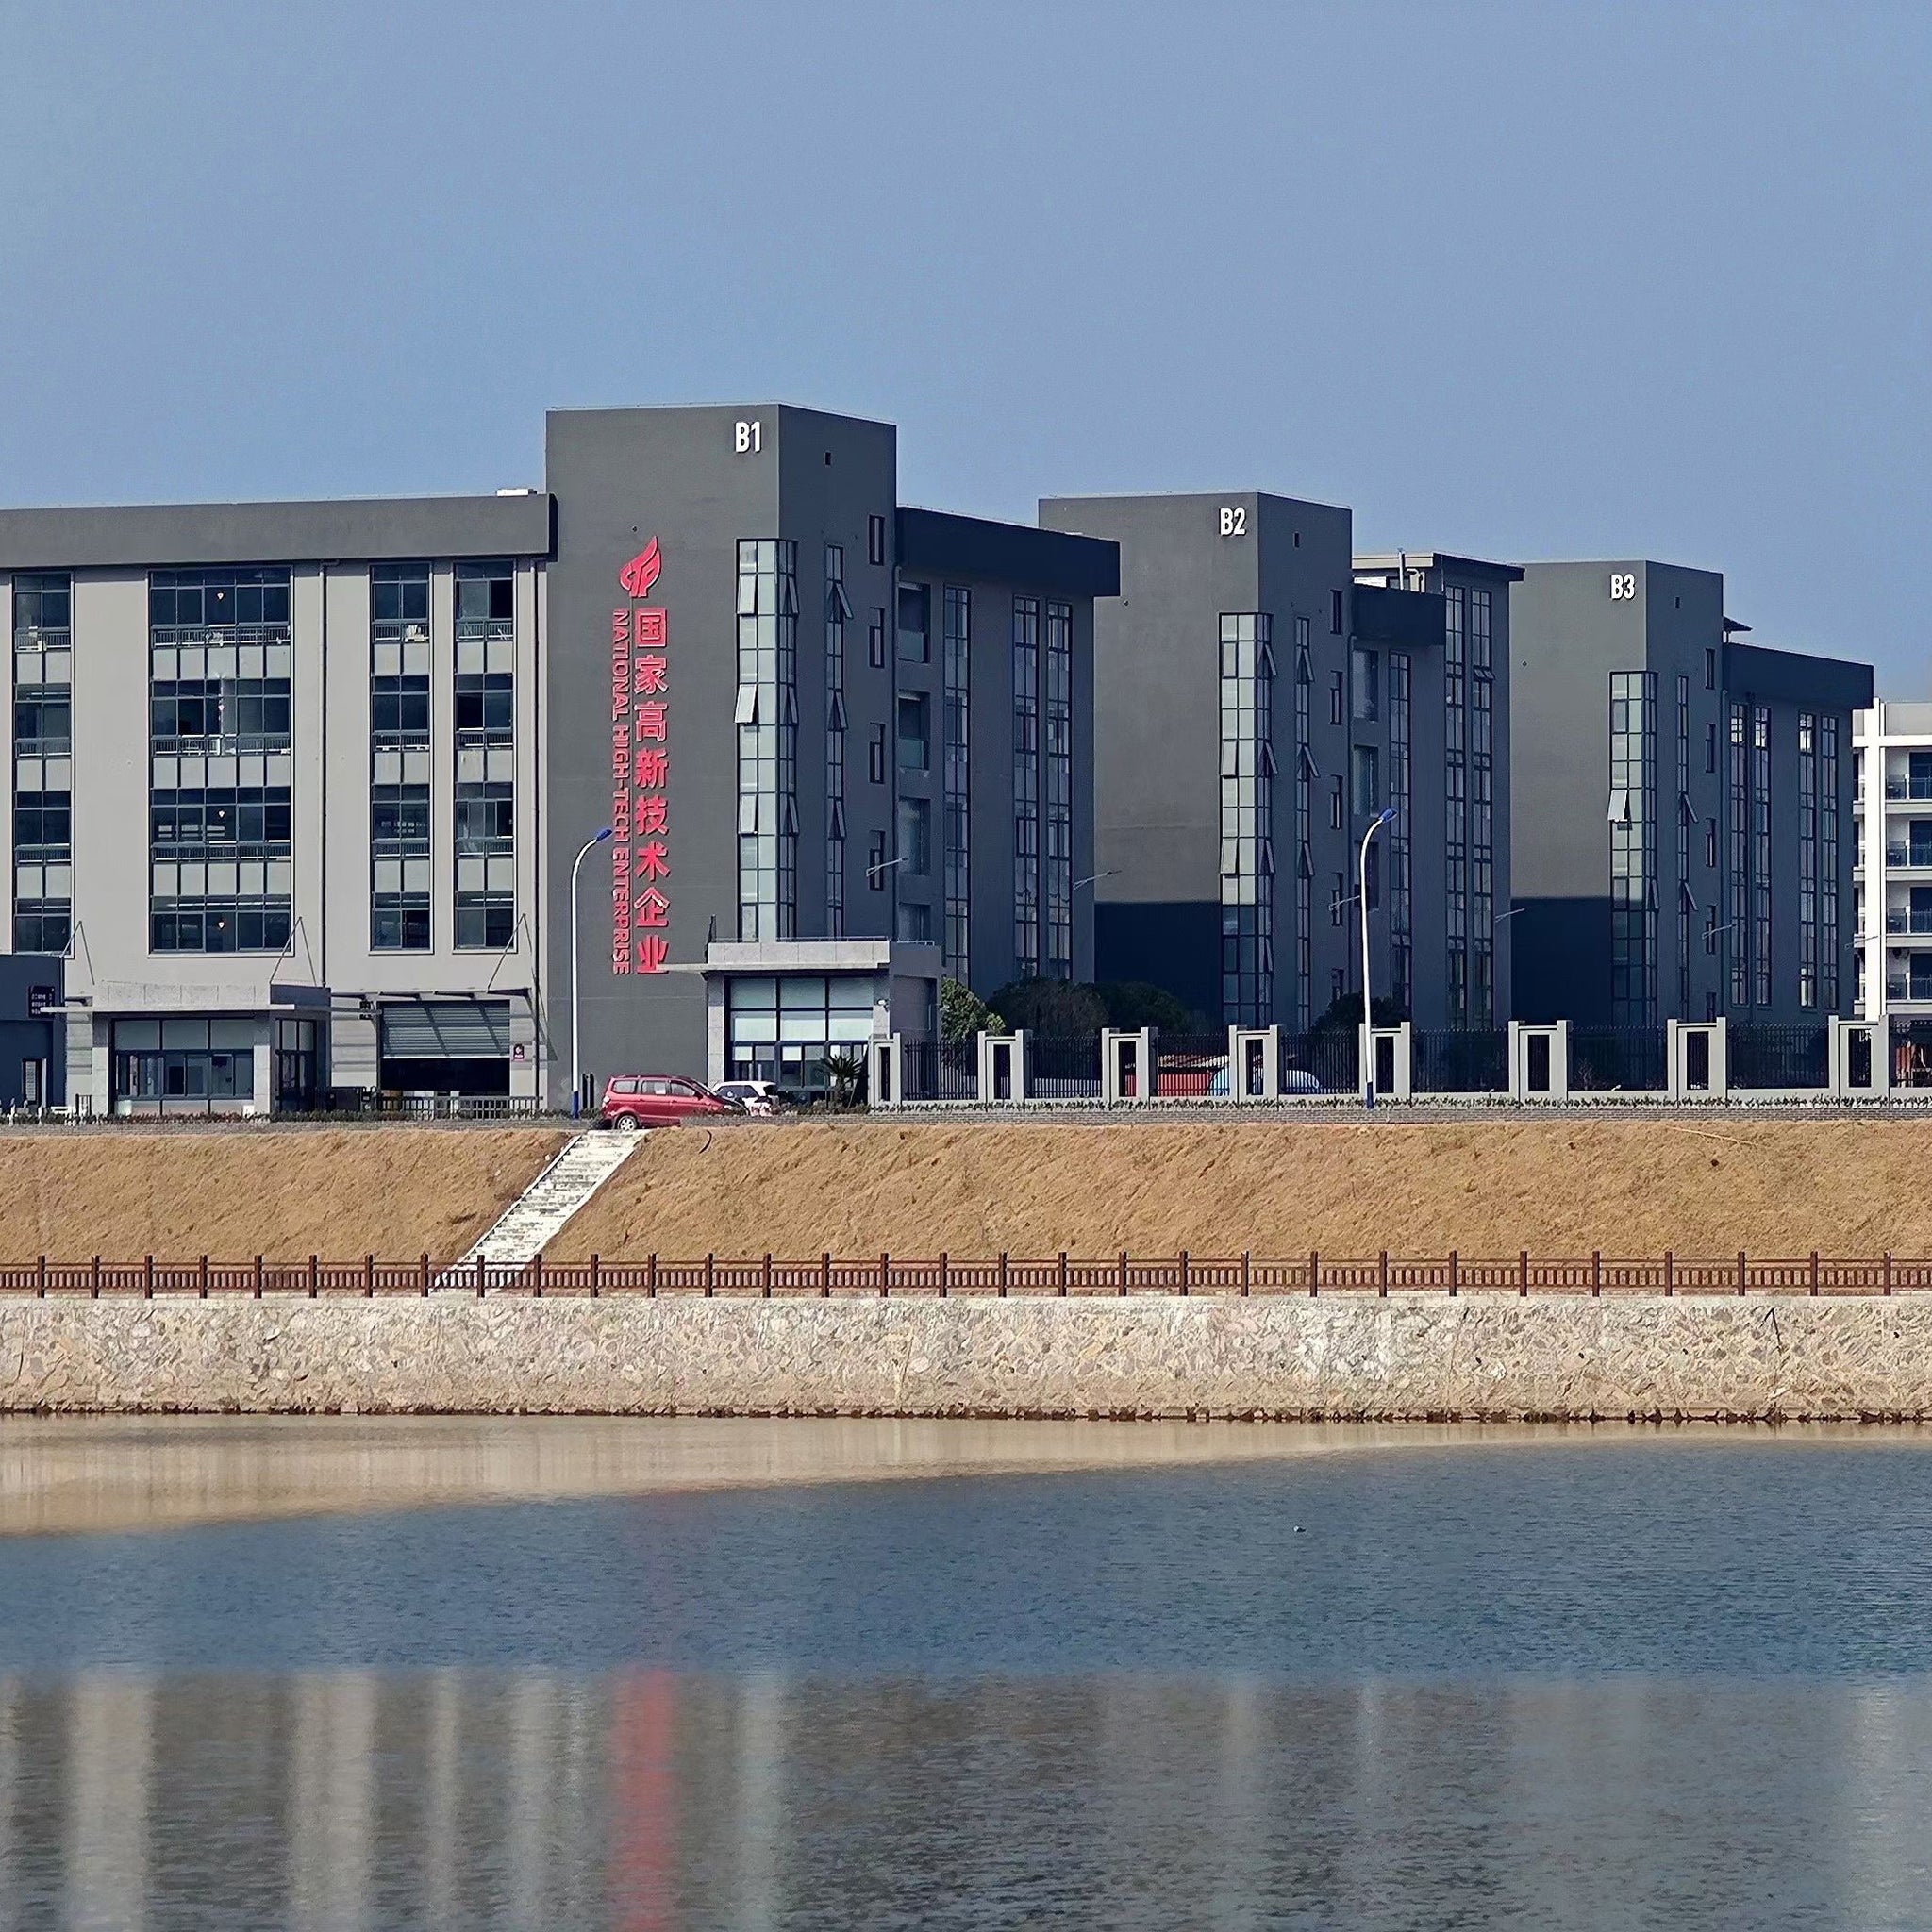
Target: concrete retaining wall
x: 1404, y: 1358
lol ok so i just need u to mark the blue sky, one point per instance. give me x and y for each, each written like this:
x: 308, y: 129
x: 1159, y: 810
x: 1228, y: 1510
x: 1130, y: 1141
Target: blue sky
x: 1528, y: 281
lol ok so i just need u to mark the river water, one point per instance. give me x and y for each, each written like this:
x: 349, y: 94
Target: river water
x: 1434, y: 1678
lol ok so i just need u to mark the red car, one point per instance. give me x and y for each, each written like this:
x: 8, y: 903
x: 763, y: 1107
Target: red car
x: 656, y: 1100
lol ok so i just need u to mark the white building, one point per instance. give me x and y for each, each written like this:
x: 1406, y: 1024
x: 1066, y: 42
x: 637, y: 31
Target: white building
x: 1892, y: 885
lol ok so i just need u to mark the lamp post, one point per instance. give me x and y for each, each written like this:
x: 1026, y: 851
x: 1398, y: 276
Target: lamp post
x: 1382, y: 818
x: 576, y: 1078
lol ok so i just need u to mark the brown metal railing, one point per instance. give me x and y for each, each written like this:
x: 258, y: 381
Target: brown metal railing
x: 884, y: 1276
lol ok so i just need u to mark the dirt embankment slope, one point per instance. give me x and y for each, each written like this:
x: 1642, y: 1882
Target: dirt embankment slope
x: 1702, y: 1187
x: 390, y: 1191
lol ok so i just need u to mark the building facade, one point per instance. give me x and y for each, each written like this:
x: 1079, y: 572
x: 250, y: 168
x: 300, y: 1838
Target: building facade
x: 1453, y: 972
x: 1681, y: 806
x: 1892, y: 889
x: 1260, y: 703
x: 708, y: 688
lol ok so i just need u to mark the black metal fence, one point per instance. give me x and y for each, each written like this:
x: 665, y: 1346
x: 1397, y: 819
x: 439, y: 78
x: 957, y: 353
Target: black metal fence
x: 1472, y: 1062
x: 1790, y: 1057
x: 1617, y: 1059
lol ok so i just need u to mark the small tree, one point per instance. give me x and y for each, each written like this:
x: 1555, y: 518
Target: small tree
x: 1134, y: 1003
x: 963, y: 1013
x: 1053, y: 1008
x: 846, y: 1074
x: 1345, y: 1014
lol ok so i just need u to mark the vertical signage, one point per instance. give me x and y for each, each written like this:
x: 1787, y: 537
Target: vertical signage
x: 640, y: 772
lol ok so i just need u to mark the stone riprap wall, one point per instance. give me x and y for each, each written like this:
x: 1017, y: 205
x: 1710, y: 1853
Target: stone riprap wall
x: 1408, y: 1357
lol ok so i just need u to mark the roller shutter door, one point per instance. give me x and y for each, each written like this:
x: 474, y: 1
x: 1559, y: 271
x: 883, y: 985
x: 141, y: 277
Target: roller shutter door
x: 445, y: 1029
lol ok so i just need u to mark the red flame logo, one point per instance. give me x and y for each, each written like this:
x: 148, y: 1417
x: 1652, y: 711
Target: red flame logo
x: 640, y: 573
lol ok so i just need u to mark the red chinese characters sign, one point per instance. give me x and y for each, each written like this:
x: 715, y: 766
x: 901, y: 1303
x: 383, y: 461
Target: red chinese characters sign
x: 640, y: 772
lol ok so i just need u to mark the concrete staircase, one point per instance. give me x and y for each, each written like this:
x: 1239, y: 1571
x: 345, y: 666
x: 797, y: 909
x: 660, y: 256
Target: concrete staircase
x: 534, y: 1216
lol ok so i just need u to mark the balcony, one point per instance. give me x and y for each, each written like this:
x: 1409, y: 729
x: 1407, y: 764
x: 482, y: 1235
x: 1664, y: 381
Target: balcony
x: 1896, y: 789
x: 1917, y: 923
x: 173, y: 636
x: 1909, y: 857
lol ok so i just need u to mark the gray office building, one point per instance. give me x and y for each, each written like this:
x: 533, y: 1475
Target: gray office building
x: 1262, y: 695
x: 1681, y: 806
x: 836, y: 749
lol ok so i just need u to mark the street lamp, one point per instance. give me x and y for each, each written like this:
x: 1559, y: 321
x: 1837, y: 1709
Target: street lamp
x: 1386, y: 816
x: 576, y: 1078
x: 1094, y: 878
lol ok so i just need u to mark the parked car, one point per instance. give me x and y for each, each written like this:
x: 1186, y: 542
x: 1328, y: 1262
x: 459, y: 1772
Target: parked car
x: 1294, y: 1080
x: 757, y: 1096
x: 656, y: 1100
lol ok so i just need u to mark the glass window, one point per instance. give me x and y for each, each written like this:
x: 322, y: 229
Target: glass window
x: 915, y: 624
x: 225, y: 604
x: 767, y: 738
x: 1365, y: 777
x: 915, y: 836
x: 484, y: 601
x: 1025, y: 660
x: 42, y: 610
x: 399, y: 603
x: 399, y: 819
x: 1366, y: 667
x: 485, y: 819
x: 956, y: 631
x: 788, y: 1035
x: 915, y: 732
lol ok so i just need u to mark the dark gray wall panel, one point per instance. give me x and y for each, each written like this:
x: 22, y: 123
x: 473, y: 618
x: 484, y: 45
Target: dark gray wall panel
x: 370, y: 530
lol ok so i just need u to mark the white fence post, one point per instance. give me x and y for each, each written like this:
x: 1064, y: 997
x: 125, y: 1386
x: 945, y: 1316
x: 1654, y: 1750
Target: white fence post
x: 885, y: 1072
x: 1115, y: 1076
x: 1261, y: 1045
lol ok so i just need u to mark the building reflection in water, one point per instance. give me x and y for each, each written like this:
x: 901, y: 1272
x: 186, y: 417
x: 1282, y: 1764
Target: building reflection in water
x: 648, y: 1800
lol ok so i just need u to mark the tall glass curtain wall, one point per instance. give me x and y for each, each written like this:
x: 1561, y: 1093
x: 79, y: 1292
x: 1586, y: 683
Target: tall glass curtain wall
x: 1807, y: 859
x: 1042, y: 767
x: 221, y: 666
x: 1303, y: 832
x: 1828, y: 937
x: 1760, y: 856
x: 399, y: 810
x: 767, y: 718
x: 1482, y: 811
x: 1469, y: 684
x: 1247, y: 855
x: 42, y: 763
x: 1058, y: 762
x: 956, y: 645
x: 1026, y: 647
x: 1633, y: 848
x: 913, y: 868
x: 838, y: 612
x: 1684, y: 816
x: 1817, y: 933
x: 1401, y: 852
x: 1455, y: 801
x: 1738, y: 839
x: 785, y: 1029
x: 485, y: 705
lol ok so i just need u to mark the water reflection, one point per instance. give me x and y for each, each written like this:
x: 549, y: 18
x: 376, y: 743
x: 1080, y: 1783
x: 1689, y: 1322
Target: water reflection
x: 645, y: 1799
